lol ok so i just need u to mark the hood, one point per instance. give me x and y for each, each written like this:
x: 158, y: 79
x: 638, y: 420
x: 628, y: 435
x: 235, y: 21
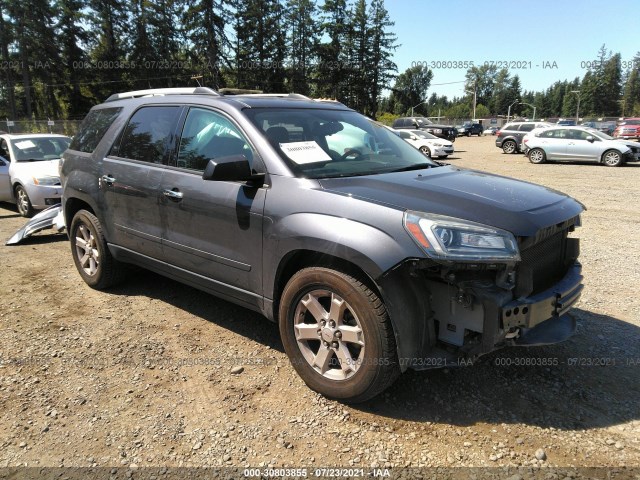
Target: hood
x: 43, y: 168
x: 513, y: 205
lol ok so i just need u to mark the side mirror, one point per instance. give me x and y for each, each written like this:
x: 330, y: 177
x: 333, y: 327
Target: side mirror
x: 590, y: 139
x: 3, y: 162
x: 232, y: 168
x: 413, y: 137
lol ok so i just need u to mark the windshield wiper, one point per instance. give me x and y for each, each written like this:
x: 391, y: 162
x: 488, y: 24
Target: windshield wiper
x: 417, y: 166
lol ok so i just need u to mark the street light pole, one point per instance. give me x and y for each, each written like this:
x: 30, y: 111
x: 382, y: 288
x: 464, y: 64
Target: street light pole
x: 578, y: 107
x: 509, y: 111
x: 424, y: 101
x: 532, y: 106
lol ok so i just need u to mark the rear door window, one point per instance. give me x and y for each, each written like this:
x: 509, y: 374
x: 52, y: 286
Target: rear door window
x: 148, y: 133
x: 93, y: 128
x: 527, y: 127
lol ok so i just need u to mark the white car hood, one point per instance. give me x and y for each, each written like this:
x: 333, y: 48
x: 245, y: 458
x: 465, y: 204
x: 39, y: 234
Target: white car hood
x: 43, y: 168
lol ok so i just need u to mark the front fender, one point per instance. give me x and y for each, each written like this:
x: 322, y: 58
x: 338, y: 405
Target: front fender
x: 372, y: 250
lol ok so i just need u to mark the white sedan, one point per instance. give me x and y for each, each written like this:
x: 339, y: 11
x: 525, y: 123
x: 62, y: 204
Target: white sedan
x: 428, y: 144
x: 29, y: 170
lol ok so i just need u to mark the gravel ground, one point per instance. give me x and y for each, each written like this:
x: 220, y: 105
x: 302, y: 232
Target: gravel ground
x: 154, y: 373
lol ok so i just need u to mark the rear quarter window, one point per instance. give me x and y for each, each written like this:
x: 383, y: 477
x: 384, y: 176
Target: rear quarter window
x: 93, y: 128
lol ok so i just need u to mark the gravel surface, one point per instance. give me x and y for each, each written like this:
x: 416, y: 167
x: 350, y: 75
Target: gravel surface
x: 154, y: 373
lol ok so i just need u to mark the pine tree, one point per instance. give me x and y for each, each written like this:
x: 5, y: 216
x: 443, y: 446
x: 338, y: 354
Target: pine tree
x: 302, y: 43
x: 380, y: 67
x: 332, y: 55
x: 71, y: 37
x: 204, y: 24
x: 631, y: 96
x: 6, y: 38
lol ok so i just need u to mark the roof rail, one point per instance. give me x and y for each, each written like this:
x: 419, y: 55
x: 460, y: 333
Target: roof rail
x: 163, y: 91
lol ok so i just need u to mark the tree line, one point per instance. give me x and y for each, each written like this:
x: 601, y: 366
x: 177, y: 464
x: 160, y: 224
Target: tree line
x: 610, y: 87
x: 58, y: 58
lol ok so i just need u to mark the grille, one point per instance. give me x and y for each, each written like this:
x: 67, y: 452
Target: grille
x: 543, y: 264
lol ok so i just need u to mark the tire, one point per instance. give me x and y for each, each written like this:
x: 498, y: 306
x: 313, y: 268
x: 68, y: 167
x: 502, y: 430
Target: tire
x: 23, y: 203
x: 369, y: 355
x: 612, y: 158
x: 468, y: 134
x: 426, y: 151
x: 509, y: 146
x: 90, y: 252
x: 537, y: 156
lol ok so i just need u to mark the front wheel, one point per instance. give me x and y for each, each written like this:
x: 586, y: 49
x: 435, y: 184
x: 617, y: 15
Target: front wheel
x: 509, y: 146
x: 612, y: 158
x: 337, y: 335
x: 90, y: 252
x: 537, y: 156
x: 425, y: 150
x: 23, y: 202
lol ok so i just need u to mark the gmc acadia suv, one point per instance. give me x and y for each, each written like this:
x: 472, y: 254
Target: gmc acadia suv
x: 371, y: 257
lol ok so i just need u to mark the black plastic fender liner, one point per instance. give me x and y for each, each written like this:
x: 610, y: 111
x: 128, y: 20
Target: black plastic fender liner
x: 406, y: 297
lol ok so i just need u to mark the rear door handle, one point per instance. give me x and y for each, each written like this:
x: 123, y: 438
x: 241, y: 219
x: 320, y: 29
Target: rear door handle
x: 174, y: 195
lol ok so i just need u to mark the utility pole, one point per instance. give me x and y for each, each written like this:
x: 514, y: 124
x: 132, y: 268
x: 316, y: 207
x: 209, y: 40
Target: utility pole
x: 578, y: 107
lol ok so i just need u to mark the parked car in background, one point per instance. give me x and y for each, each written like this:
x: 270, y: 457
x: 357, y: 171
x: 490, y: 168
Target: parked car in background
x: 580, y: 144
x: 421, y: 123
x: 472, y: 128
x: 29, y: 170
x: 628, y: 128
x: 492, y: 130
x: 460, y: 130
x: 566, y: 123
x: 371, y: 257
x: 428, y: 144
x: 509, y: 137
x: 606, y: 127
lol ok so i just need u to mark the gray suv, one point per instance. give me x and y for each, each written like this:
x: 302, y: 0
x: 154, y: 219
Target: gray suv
x: 371, y: 257
x: 509, y: 138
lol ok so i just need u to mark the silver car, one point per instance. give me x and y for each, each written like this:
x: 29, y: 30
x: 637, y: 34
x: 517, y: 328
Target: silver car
x: 29, y: 170
x: 571, y: 143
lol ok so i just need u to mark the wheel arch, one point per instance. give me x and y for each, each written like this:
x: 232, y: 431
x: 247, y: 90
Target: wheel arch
x: 72, y: 206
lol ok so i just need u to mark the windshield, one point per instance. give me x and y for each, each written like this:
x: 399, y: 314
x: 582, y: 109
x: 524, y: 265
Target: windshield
x: 423, y: 134
x: 599, y: 134
x: 423, y: 121
x: 318, y: 143
x: 37, y: 149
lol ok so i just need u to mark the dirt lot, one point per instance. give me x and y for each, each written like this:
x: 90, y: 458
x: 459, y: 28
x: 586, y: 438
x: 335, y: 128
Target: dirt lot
x: 142, y: 374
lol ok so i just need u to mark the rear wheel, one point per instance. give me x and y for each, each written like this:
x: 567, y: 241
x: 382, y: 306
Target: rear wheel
x: 337, y: 335
x: 537, y: 156
x: 425, y: 150
x: 612, y: 158
x: 90, y: 252
x: 23, y: 202
x: 509, y: 146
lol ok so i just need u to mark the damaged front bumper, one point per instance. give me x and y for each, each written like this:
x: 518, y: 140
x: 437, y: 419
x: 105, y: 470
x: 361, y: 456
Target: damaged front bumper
x: 52, y: 217
x: 440, y: 324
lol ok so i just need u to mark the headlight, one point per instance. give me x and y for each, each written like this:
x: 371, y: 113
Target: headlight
x: 450, y: 238
x: 47, y: 181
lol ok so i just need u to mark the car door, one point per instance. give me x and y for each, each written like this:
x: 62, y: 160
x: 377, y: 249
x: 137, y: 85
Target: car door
x: 5, y: 179
x: 580, y: 149
x: 130, y: 178
x: 213, y: 228
x: 554, y: 143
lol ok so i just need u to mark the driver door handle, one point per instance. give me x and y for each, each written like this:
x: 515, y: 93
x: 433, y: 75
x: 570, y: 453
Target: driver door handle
x: 174, y: 195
